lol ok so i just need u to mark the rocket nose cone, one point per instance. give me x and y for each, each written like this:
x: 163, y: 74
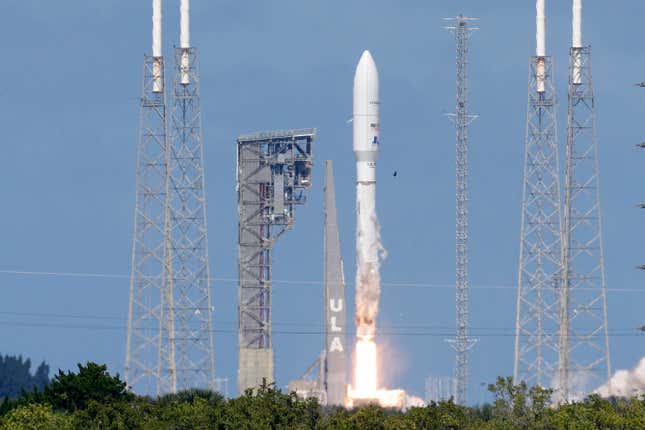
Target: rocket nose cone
x: 366, y: 69
x: 366, y: 60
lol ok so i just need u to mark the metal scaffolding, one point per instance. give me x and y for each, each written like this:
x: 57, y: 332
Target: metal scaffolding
x: 150, y: 355
x: 540, y: 265
x: 189, y: 269
x: 462, y: 343
x: 273, y: 172
x: 584, y: 339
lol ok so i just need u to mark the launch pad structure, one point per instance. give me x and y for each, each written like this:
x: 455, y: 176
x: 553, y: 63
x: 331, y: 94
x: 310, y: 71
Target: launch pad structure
x: 273, y: 173
x: 540, y: 268
x: 462, y: 343
x: 189, y: 262
x: 585, y: 360
x: 149, y: 365
x: 170, y: 334
x: 326, y: 378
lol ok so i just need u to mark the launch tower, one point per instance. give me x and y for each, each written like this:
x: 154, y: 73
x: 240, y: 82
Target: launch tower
x: 584, y: 339
x: 150, y: 356
x: 273, y: 172
x: 189, y: 264
x: 540, y: 266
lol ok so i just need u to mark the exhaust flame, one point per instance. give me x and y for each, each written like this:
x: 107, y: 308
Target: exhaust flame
x: 365, y: 378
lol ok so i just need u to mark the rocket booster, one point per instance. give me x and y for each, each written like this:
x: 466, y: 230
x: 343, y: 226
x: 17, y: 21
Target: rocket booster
x: 366, y: 148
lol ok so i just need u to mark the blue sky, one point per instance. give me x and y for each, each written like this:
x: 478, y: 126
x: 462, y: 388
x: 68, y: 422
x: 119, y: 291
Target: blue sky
x: 69, y: 118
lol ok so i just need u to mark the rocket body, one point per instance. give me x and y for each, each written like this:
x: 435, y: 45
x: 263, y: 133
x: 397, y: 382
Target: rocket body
x: 366, y: 119
x: 366, y: 149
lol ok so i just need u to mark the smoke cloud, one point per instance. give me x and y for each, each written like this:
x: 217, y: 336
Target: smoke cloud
x: 625, y: 383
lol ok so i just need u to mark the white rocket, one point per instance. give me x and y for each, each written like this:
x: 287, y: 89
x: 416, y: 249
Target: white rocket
x: 366, y: 149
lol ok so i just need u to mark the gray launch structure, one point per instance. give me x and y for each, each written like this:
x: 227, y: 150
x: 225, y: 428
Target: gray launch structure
x: 273, y: 172
x: 540, y: 269
x: 188, y: 268
x: 585, y: 361
x: 326, y: 378
x: 335, y: 304
x: 149, y: 363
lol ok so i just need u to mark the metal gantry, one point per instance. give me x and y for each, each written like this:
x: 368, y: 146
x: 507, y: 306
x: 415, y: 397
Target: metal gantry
x: 150, y: 356
x: 189, y: 269
x: 273, y: 172
x: 540, y: 265
x: 585, y: 362
x: 462, y: 343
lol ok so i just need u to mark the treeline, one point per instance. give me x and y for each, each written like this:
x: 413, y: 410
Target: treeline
x: 16, y: 376
x: 93, y: 399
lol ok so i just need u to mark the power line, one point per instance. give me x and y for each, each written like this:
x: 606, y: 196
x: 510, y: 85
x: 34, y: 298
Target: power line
x: 298, y: 283
x: 633, y: 332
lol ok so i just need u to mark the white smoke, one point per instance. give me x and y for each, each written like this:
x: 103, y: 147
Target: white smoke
x: 369, y: 255
x: 625, y: 383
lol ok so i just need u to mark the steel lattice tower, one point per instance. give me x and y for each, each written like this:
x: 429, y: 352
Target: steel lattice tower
x: 462, y: 343
x: 273, y: 172
x: 150, y: 357
x: 539, y: 278
x: 585, y: 362
x: 189, y: 271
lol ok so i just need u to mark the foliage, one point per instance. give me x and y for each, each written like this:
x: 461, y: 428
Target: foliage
x: 35, y: 417
x: 15, y: 376
x: 71, y: 391
x: 91, y: 399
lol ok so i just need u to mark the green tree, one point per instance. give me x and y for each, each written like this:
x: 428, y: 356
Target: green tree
x: 35, y: 417
x: 517, y: 406
x: 15, y: 376
x: 70, y: 391
x: 267, y: 408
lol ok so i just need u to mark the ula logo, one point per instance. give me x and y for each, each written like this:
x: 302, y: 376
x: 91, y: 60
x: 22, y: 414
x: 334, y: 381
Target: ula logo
x: 375, y: 141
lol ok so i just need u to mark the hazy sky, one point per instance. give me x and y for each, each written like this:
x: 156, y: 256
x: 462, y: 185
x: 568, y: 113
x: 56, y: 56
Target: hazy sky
x: 69, y: 121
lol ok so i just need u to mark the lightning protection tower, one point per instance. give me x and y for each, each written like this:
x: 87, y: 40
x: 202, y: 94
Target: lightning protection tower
x: 540, y: 265
x: 189, y: 264
x: 462, y: 343
x: 273, y: 172
x: 585, y: 361
x: 150, y: 356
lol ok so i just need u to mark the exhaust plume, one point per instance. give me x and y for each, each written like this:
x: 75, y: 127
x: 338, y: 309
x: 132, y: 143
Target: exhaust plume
x: 369, y: 254
x: 625, y: 383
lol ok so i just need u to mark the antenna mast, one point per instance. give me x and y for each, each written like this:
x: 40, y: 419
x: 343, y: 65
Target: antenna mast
x: 462, y: 343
